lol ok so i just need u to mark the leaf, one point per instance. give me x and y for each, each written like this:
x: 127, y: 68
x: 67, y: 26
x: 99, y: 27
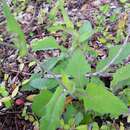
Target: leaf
x: 102, y: 101
x: 53, y: 12
x: 20, y: 102
x: 26, y: 83
x: 45, y: 44
x: 126, y: 93
x: 78, y: 67
x: 60, y: 67
x: 122, y: 126
x: 85, y: 31
x: 112, y: 52
x: 95, y: 126
x: 14, y: 27
x: 120, y: 85
x: 6, y: 101
x: 105, y: 127
x: 82, y: 127
x: 3, y: 91
x: 78, y: 118
x: 53, y: 112
x: 68, y: 83
x: 67, y: 21
x: 15, y: 92
x: 123, y: 1
x: 31, y: 97
x: 50, y: 63
x: 55, y: 28
x: 105, y: 8
x: 40, y: 101
x: 121, y: 74
x: 43, y: 83
x: 69, y: 113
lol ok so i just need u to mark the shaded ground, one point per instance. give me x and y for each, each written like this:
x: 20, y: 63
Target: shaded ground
x: 34, y: 27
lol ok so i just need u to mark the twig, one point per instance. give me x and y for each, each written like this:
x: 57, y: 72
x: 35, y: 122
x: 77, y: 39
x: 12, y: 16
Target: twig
x: 118, y: 53
x: 112, y: 61
x: 49, y: 72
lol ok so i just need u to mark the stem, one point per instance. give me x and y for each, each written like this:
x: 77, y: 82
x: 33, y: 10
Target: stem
x: 112, y: 61
x: 49, y: 72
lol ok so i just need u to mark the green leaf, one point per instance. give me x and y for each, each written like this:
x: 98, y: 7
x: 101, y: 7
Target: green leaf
x: 120, y: 85
x: 26, y: 83
x: 103, y: 101
x: 82, y: 127
x: 95, y: 126
x: 68, y: 83
x: 112, y: 52
x: 50, y: 63
x: 125, y: 96
x: 54, y: 109
x: 43, y: 83
x: 3, y: 91
x: 40, y: 101
x: 53, y: 12
x: 45, y: 44
x: 7, y: 99
x: 121, y: 74
x: 56, y: 27
x: 78, y: 67
x: 69, y: 113
x: 14, y: 27
x: 78, y: 118
x: 67, y: 21
x: 123, y: 1
x: 85, y: 31
x: 60, y: 67
x: 105, y: 8
x: 105, y: 127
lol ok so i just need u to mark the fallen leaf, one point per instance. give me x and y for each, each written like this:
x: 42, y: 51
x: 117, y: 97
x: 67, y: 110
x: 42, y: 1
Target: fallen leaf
x: 30, y: 97
x: 15, y: 92
x: 19, y: 102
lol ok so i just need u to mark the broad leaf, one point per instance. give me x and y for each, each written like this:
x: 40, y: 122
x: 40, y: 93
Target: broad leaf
x: 45, y: 44
x: 54, y: 110
x: 40, y: 101
x: 26, y: 83
x: 121, y: 74
x: 112, y: 53
x: 85, y: 31
x: 60, y: 67
x: 43, y: 83
x: 78, y: 67
x: 50, y: 63
x: 100, y: 100
x: 14, y: 27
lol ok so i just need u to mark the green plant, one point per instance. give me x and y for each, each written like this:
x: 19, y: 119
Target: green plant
x: 70, y: 75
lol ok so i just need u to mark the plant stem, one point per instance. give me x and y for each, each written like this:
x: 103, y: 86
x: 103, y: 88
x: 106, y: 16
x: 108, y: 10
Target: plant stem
x: 49, y: 72
x: 112, y: 61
